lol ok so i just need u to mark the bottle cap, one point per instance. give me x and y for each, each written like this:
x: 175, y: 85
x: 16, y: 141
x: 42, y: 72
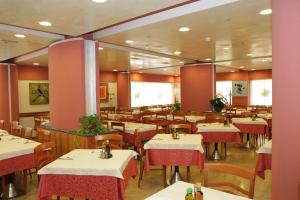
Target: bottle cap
x: 198, y: 185
x: 189, y: 190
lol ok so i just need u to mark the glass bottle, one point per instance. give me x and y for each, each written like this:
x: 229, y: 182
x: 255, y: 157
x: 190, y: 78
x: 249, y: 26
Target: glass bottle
x: 189, y: 194
x: 198, y: 192
x: 107, y: 148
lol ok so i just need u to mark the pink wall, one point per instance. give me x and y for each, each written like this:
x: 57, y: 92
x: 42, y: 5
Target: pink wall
x: 152, y: 78
x: 106, y: 76
x: 66, y: 84
x: 243, y: 76
x: 196, y: 87
x: 123, y: 87
x: 14, y: 77
x: 286, y: 96
x: 4, y: 110
x: 32, y: 73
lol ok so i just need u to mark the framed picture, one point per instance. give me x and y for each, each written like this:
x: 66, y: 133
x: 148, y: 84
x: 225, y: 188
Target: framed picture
x: 103, y: 92
x: 239, y: 88
x: 38, y: 93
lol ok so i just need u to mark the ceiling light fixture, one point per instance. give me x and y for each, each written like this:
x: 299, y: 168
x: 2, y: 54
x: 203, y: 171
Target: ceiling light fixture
x: 129, y: 41
x: 253, y: 69
x: 99, y: 1
x: 232, y: 71
x: 45, y: 23
x: 181, y: 62
x: 20, y: 36
x: 184, y: 29
x: 226, y: 48
x: 249, y: 54
x: 242, y: 67
x: 208, y: 59
x: 36, y: 64
x: 207, y: 39
x: 265, y: 12
x: 115, y: 70
x: 265, y: 60
x: 177, y: 52
x: 100, y: 48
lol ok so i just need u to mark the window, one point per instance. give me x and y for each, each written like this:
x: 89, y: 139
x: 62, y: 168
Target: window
x: 224, y: 88
x: 151, y: 93
x: 261, y: 92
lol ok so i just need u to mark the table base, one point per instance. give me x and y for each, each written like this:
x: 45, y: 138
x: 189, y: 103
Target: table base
x: 248, y: 144
x: 12, y: 191
x: 216, y: 155
x: 176, y: 176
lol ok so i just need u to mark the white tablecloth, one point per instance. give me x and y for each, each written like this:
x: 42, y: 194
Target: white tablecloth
x: 177, y: 191
x: 194, y: 118
x: 12, y: 146
x: 87, y: 162
x: 130, y: 127
x: 216, y: 127
x: 248, y: 120
x: 266, y: 148
x: 265, y: 115
x: 186, y: 142
x: 116, y: 116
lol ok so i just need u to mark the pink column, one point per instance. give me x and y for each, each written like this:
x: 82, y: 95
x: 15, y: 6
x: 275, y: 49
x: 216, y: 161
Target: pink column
x: 196, y: 84
x: 286, y: 97
x: 4, y: 98
x: 124, y: 92
x: 67, y: 83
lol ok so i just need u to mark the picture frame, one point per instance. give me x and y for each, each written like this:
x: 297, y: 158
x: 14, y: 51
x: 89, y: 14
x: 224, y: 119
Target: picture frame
x: 240, y: 88
x: 38, y: 93
x: 103, y: 92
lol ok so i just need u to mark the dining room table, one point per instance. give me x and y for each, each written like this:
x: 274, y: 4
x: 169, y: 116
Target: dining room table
x: 248, y: 125
x: 264, y: 159
x: 82, y: 173
x: 177, y: 191
x: 163, y: 150
x: 218, y: 133
x: 16, y: 155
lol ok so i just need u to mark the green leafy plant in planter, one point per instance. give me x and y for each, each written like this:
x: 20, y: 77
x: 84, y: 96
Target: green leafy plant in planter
x: 218, y: 103
x: 91, y: 125
x: 177, y: 106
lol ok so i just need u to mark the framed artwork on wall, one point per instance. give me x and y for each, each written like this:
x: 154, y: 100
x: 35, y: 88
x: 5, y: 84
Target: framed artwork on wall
x: 38, y: 93
x: 103, y: 92
x: 239, y: 88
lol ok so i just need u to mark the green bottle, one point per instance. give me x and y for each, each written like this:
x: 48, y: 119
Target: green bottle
x: 189, y: 194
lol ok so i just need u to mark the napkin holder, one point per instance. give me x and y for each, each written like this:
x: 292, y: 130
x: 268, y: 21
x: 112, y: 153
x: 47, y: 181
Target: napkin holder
x: 105, y: 153
x: 175, y: 135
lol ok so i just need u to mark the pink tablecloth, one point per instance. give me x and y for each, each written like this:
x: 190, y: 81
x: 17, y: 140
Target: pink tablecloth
x: 264, y: 162
x: 252, y: 128
x: 146, y: 135
x: 91, y: 187
x: 173, y: 157
x: 16, y: 164
x: 221, y: 137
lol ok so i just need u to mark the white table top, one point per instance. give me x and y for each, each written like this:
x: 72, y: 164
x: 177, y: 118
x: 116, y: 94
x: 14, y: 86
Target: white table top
x: 265, y: 115
x: 248, y: 120
x: 194, y: 118
x: 216, y: 127
x: 87, y: 162
x: 186, y: 142
x: 130, y: 127
x: 13, y: 146
x: 177, y: 191
x: 266, y: 148
x: 116, y: 116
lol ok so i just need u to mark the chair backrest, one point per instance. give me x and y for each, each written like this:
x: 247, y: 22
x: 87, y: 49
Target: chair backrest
x: 178, y: 116
x: 2, y: 124
x: 26, y: 132
x: 105, y: 124
x: 162, y: 126
x: 44, y: 154
x: 43, y: 135
x: 186, y: 128
x: 15, y: 128
x: 214, y: 118
x: 37, y: 122
x: 235, y: 170
x: 118, y: 125
x: 115, y: 141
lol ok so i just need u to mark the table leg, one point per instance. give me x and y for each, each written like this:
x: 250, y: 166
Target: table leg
x: 248, y: 144
x: 3, y: 194
x: 216, y: 154
x: 176, y: 176
x: 12, y: 191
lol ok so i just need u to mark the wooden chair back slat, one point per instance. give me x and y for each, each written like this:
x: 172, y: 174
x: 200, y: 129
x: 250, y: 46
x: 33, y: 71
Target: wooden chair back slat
x: 44, y: 154
x: 187, y: 128
x: 115, y: 141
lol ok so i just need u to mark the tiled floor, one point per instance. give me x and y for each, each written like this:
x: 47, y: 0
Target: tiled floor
x: 152, y: 181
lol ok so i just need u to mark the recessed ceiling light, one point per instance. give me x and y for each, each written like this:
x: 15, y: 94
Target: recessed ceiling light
x: 207, y: 59
x: 177, y: 52
x: 232, y: 71
x: 129, y: 41
x: 140, y: 72
x: 45, y: 23
x: 253, y: 69
x: 100, y: 48
x: 181, y: 62
x: 242, y: 67
x: 36, y: 64
x: 207, y: 39
x: 265, y: 60
x: 249, y: 54
x: 226, y: 48
x: 115, y: 70
x: 184, y: 29
x: 99, y: 1
x: 176, y: 75
x: 20, y: 36
x: 265, y: 12
x: 165, y: 69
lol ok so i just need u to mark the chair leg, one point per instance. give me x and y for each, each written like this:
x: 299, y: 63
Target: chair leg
x: 188, y: 170
x: 4, y: 188
x: 141, y: 172
x: 165, y: 175
x: 25, y: 180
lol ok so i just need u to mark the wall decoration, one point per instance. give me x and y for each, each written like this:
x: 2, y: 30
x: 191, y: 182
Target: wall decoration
x: 239, y: 88
x: 38, y: 93
x: 103, y: 92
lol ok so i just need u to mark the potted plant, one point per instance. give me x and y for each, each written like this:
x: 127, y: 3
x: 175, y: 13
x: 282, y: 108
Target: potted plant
x: 91, y: 125
x: 218, y: 103
x: 177, y: 106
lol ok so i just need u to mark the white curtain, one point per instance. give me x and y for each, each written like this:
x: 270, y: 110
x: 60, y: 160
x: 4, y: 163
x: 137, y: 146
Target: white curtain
x: 224, y: 88
x: 261, y: 92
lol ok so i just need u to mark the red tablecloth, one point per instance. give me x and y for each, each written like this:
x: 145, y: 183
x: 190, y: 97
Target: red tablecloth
x: 263, y: 163
x: 221, y: 137
x: 16, y: 164
x: 146, y: 135
x: 91, y: 187
x: 173, y: 157
x: 252, y: 128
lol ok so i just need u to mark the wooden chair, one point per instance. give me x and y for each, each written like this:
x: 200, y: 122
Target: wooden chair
x: 43, y: 136
x: 118, y: 125
x: 2, y: 124
x: 178, y: 116
x: 26, y: 132
x: 234, y: 170
x: 15, y: 128
x: 37, y: 123
x: 115, y: 141
x: 162, y: 126
x: 186, y: 128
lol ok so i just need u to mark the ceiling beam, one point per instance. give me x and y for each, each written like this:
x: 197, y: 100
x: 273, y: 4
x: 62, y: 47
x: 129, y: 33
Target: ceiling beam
x: 26, y: 31
x: 32, y: 55
x: 161, y: 16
